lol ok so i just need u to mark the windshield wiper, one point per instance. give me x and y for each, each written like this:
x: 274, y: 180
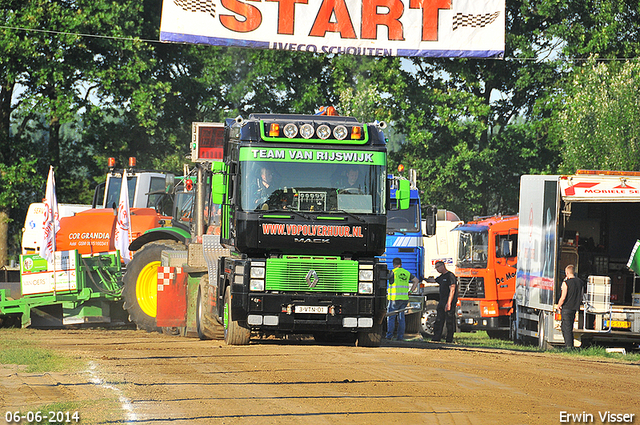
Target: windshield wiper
x: 298, y: 213
x: 352, y: 215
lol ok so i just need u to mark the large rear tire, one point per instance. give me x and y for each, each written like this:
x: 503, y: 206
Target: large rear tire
x: 140, y: 291
x: 234, y: 334
x: 206, y: 326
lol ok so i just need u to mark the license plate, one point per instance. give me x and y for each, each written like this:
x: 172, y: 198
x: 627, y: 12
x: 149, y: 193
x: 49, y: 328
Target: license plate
x: 618, y: 324
x: 313, y: 309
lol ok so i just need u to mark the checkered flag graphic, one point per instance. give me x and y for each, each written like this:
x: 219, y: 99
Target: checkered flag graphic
x: 462, y: 20
x: 207, y: 6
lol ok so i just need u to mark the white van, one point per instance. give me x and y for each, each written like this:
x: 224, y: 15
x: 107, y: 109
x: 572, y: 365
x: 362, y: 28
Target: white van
x: 32, y: 232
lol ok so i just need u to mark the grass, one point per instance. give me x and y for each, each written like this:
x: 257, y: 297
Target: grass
x: 19, y: 347
x: 481, y: 339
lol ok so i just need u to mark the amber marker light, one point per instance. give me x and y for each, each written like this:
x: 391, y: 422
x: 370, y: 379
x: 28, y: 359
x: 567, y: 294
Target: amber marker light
x: 132, y: 161
x: 274, y: 129
x: 400, y: 168
x: 356, y: 133
x: 111, y: 162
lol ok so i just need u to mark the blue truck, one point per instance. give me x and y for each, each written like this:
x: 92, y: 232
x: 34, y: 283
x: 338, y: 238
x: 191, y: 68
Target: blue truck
x: 405, y: 232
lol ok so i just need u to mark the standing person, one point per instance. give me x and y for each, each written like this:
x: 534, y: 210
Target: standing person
x: 398, y: 297
x: 572, y: 289
x: 448, y: 284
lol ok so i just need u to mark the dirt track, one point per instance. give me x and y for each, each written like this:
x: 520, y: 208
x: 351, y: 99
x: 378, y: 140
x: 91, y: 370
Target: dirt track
x: 137, y: 377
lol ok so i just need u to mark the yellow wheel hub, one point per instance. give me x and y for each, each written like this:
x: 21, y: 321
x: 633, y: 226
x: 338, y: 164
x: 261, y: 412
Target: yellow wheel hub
x: 147, y: 288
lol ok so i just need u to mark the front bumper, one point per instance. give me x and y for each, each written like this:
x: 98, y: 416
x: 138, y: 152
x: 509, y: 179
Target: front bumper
x: 304, y: 312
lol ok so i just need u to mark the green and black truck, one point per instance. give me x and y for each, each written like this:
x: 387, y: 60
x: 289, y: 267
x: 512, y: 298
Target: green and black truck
x: 294, y: 217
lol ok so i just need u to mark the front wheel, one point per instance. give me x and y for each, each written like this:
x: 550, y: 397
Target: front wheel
x: 428, y: 318
x: 542, y: 333
x: 206, y: 326
x: 140, y: 291
x: 513, y: 327
x: 498, y: 334
x: 234, y: 334
x: 371, y: 338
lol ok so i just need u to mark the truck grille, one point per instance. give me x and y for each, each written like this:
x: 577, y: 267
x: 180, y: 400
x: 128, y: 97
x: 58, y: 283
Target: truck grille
x: 289, y: 274
x: 470, y: 287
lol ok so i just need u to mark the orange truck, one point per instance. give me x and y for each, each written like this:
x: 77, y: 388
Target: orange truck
x: 486, y: 271
x: 91, y: 228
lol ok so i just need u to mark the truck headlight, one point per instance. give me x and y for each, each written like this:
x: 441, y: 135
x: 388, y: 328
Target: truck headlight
x: 256, y: 285
x: 257, y: 272
x: 365, y: 275
x: 323, y: 132
x: 306, y: 131
x: 365, y: 287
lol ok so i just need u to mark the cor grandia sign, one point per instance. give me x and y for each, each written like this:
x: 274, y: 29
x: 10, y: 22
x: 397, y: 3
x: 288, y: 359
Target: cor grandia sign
x: 428, y: 28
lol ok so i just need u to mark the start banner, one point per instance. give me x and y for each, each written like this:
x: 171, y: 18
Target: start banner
x: 427, y: 28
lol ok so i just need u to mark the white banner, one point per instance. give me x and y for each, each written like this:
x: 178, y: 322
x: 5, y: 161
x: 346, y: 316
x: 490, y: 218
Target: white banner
x: 123, y: 222
x: 51, y: 219
x: 427, y: 28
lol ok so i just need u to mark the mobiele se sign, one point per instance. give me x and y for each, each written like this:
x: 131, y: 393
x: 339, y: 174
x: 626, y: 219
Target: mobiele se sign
x: 427, y: 28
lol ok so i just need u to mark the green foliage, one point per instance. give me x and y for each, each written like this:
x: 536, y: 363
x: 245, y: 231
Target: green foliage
x: 597, y: 123
x: 470, y: 127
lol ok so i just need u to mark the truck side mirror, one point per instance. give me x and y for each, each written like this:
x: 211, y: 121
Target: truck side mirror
x: 430, y: 218
x: 402, y: 194
x: 98, y: 196
x: 218, y: 187
x: 169, y: 182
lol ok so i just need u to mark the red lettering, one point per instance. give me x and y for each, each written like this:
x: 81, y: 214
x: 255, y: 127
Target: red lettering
x: 430, y: 10
x: 286, y: 15
x: 342, y: 23
x: 371, y: 18
x: 251, y: 14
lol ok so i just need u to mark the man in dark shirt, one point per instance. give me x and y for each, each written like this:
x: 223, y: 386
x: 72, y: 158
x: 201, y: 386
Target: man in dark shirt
x: 447, y: 305
x: 572, y: 289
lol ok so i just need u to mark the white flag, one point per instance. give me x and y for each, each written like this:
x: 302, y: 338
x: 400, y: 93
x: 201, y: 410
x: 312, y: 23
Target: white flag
x: 51, y: 222
x: 123, y: 223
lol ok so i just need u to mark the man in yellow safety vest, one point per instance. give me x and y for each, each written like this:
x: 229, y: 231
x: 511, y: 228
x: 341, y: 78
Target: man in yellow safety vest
x: 398, y: 297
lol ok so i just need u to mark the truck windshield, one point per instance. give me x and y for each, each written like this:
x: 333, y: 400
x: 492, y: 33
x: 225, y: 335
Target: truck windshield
x: 312, y: 187
x: 113, y: 191
x: 403, y: 220
x: 472, y: 249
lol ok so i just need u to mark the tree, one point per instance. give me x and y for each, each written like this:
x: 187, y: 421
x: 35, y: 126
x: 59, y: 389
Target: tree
x: 598, y: 124
x: 474, y: 126
x: 49, y: 79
